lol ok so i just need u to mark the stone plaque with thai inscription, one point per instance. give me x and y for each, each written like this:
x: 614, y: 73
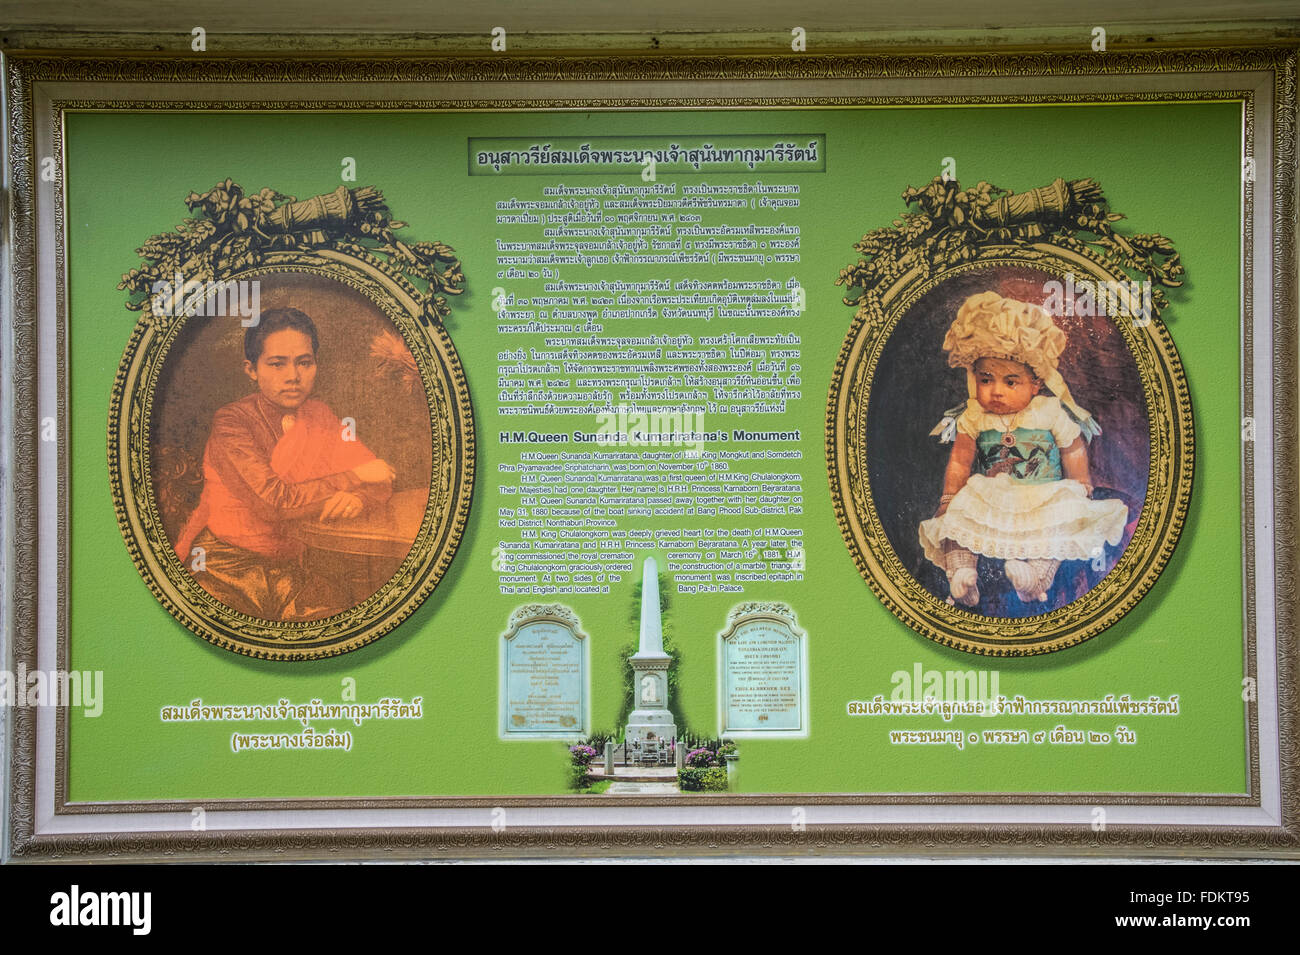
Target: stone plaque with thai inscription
x: 544, y: 675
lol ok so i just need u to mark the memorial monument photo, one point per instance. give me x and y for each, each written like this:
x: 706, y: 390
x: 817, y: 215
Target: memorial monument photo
x: 650, y: 722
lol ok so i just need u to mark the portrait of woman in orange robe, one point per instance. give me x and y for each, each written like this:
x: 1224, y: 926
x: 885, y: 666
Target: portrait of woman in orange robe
x: 275, y: 457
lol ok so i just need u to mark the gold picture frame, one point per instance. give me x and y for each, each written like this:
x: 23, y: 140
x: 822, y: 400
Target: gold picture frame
x: 1035, y: 238
x: 408, y: 545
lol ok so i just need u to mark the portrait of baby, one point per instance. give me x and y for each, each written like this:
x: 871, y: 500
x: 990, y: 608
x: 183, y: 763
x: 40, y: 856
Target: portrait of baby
x: 1047, y: 500
x: 1027, y: 492
x: 1017, y: 488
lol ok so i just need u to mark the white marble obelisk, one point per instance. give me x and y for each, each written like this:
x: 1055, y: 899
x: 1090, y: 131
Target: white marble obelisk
x: 650, y: 719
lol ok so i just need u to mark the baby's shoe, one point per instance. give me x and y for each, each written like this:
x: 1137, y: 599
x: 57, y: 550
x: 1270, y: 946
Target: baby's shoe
x: 962, y: 585
x: 1031, y: 578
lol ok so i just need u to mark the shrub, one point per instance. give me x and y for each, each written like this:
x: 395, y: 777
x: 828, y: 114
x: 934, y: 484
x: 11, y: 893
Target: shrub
x: 703, y: 779
x: 700, y: 758
x: 580, y: 758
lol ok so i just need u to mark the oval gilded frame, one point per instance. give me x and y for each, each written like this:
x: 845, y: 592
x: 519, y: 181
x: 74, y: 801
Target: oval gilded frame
x: 450, y: 487
x: 1169, y: 479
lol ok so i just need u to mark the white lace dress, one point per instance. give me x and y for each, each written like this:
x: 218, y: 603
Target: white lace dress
x: 1018, y: 504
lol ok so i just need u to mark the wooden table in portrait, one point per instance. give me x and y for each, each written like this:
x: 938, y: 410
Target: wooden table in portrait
x: 364, y: 552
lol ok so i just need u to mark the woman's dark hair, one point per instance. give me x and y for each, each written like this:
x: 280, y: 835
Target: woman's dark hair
x: 276, y: 320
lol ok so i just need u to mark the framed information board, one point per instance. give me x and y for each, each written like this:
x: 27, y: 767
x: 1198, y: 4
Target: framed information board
x: 431, y: 456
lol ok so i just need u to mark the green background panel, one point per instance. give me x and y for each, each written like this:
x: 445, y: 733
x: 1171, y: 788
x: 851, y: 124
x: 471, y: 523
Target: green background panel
x: 1170, y: 168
